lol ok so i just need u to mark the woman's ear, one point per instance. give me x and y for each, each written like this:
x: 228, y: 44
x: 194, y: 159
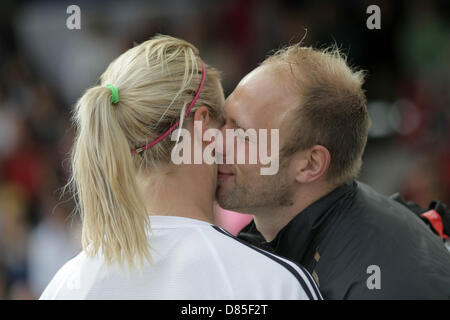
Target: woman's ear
x: 202, y: 115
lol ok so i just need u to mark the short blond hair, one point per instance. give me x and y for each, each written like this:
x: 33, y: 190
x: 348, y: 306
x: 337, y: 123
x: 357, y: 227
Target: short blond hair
x: 332, y: 111
x: 156, y: 81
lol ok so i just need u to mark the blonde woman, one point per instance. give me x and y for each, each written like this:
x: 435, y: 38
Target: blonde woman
x: 147, y: 224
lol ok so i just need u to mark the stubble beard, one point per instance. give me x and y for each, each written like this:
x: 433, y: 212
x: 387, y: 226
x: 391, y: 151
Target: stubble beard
x: 263, y: 192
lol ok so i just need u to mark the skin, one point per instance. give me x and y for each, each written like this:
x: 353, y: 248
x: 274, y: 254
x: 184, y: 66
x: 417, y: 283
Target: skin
x: 185, y: 190
x: 263, y: 100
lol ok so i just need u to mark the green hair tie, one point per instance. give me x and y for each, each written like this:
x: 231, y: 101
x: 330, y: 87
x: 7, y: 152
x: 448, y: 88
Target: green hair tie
x: 114, y: 93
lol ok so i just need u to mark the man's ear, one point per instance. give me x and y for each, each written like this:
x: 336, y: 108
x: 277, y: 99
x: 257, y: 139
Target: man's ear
x: 312, y: 164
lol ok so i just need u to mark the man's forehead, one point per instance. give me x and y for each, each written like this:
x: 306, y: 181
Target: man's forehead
x: 261, y: 98
x: 252, y: 76
x: 263, y: 77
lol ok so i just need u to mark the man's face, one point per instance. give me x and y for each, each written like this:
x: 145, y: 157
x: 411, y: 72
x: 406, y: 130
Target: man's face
x: 260, y: 101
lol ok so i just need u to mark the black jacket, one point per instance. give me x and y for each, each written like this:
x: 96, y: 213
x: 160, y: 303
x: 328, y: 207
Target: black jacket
x: 340, y: 237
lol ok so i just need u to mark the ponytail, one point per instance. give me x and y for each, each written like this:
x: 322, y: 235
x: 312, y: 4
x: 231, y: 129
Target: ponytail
x: 114, y: 217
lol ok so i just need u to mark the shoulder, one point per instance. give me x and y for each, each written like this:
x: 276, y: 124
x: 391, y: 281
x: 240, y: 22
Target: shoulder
x: 381, y: 232
x: 66, y: 279
x: 262, y: 266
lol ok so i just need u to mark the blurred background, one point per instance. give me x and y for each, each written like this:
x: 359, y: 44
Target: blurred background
x: 45, y: 67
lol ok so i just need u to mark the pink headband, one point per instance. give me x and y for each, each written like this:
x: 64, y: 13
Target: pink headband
x: 151, y: 144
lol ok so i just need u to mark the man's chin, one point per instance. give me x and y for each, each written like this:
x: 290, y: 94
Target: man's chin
x: 221, y: 197
x: 227, y: 202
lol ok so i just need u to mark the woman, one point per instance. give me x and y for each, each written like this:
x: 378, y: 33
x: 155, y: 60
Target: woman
x: 147, y: 229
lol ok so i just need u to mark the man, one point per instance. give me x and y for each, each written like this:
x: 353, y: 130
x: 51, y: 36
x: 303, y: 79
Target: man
x: 357, y: 243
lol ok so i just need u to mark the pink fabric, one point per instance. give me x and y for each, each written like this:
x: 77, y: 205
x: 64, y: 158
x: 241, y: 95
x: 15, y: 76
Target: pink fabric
x: 231, y: 221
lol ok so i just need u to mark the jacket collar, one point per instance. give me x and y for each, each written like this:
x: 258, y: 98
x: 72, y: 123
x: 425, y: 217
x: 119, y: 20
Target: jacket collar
x: 294, y: 239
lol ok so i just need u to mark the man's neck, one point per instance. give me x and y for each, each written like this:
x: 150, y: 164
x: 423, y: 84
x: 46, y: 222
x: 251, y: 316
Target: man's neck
x: 270, y: 221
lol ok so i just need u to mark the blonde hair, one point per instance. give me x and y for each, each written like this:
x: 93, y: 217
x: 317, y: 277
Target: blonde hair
x: 156, y: 81
x: 332, y: 111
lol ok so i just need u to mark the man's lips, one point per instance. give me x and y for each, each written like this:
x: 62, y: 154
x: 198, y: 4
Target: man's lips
x: 224, y: 174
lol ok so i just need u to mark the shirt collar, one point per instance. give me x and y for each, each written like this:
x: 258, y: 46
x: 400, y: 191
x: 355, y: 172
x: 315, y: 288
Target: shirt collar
x: 159, y: 221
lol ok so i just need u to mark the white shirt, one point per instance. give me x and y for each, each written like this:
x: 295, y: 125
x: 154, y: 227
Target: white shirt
x: 60, y: 245
x: 192, y: 260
